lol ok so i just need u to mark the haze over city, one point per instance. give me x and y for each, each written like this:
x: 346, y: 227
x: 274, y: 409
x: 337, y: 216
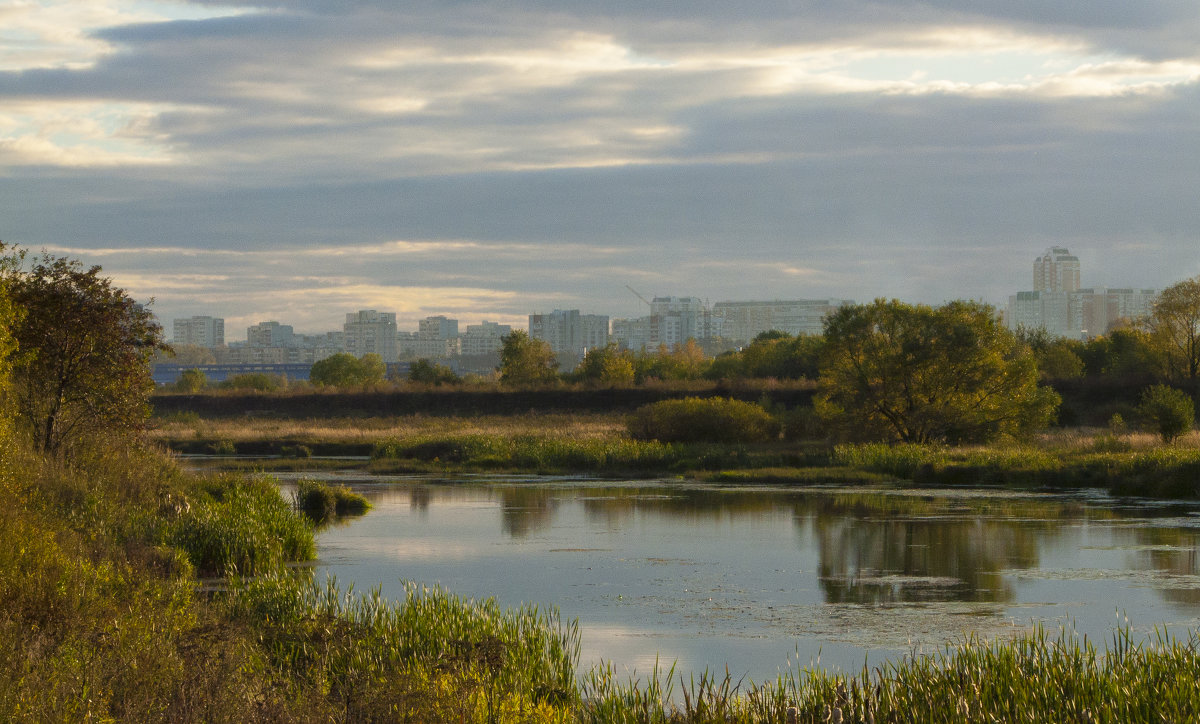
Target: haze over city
x: 301, y: 160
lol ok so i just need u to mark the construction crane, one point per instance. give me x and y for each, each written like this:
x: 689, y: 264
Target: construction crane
x: 639, y: 296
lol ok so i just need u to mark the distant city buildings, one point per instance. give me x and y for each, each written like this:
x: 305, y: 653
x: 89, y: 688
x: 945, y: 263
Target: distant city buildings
x: 435, y: 338
x: 672, y: 321
x: 370, y: 332
x: 199, y: 331
x: 270, y: 334
x: 569, y: 333
x: 1058, y: 305
x: 483, y: 338
x: 743, y: 321
x: 1057, y: 270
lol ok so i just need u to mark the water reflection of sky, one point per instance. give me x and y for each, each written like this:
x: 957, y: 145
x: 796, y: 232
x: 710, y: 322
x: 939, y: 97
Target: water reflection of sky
x: 765, y: 579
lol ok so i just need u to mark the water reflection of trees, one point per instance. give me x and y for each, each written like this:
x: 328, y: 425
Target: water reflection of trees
x: 888, y: 548
x: 524, y: 510
x: 1170, y: 550
x: 888, y: 561
x: 880, y: 547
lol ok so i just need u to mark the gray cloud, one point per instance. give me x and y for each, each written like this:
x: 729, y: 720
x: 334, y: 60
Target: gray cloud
x: 572, y: 149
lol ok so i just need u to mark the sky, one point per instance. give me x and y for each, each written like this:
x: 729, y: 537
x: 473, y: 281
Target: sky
x: 489, y: 159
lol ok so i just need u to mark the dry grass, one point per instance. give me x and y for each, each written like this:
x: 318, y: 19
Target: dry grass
x: 1084, y: 439
x: 375, y: 429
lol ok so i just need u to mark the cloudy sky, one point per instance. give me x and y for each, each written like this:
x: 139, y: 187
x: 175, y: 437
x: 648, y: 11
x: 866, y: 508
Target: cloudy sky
x: 489, y: 159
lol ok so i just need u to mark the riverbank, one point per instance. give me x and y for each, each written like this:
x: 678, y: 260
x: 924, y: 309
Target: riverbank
x: 1125, y: 463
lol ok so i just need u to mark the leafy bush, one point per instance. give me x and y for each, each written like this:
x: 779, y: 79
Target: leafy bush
x: 345, y: 370
x: 695, y: 419
x: 1167, y: 411
x: 192, y: 380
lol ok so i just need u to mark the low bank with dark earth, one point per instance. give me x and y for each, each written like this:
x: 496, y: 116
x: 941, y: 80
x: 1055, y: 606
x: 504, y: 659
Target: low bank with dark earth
x: 583, y: 441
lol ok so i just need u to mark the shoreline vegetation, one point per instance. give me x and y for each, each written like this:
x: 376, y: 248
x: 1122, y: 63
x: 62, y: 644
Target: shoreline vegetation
x: 1123, y: 462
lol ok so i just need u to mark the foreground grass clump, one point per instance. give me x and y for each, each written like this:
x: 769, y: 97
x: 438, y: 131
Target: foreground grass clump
x: 1034, y: 678
x: 238, y: 525
x: 432, y: 657
x: 695, y: 419
x: 321, y: 501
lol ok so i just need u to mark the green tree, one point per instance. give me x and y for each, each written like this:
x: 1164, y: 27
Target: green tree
x: 1057, y: 358
x: 9, y: 314
x: 345, y: 370
x: 1175, y: 323
x: 426, y: 373
x: 605, y: 366
x: 685, y: 361
x: 1167, y: 411
x: 526, y: 361
x: 1125, y: 353
x: 192, y: 380
x: 84, y: 346
x: 921, y: 374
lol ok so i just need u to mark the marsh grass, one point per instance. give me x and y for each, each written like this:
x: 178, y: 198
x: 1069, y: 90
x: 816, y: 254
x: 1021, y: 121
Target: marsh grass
x: 1034, y: 678
x: 322, y: 502
x: 535, y: 452
x: 432, y: 655
x: 1158, y: 471
x: 238, y: 525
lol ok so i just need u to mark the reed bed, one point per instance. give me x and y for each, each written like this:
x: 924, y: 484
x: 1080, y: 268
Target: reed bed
x: 321, y: 502
x: 1162, y: 471
x: 432, y: 657
x: 537, y: 453
x: 237, y: 524
x: 1034, y: 678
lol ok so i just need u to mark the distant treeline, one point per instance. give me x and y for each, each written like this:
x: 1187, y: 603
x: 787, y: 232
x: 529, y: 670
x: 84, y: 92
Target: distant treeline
x: 1085, y: 400
x: 458, y: 401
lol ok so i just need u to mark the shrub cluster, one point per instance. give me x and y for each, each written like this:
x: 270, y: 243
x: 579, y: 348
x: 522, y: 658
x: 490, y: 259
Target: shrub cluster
x: 695, y: 419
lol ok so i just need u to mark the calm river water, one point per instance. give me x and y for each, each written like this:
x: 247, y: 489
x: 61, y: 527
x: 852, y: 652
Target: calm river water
x: 766, y: 579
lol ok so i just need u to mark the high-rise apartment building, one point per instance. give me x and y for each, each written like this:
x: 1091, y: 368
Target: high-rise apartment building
x: 672, y: 321
x: 437, y: 328
x: 368, y: 331
x: 1057, y: 270
x: 569, y: 333
x: 270, y: 334
x: 743, y: 321
x: 1060, y: 307
x: 199, y: 331
x: 484, y: 338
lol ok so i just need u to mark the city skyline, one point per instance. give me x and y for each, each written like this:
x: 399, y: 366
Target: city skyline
x: 489, y: 160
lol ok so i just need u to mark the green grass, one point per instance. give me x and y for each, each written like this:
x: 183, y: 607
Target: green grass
x: 238, y: 525
x: 1164, y: 472
x: 1034, y: 678
x: 322, y: 502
